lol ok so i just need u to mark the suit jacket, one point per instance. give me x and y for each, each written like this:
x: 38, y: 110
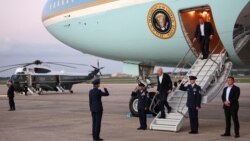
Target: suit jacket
x: 95, y: 99
x: 165, y: 85
x: 233, y: 96
x: 208, y: 29
x: 11, y: 91
x: 194, y: 96
x: 142, y: 99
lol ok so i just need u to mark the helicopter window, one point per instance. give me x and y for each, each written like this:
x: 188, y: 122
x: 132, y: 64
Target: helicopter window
x: 41, y: 70
x: 20, y: 73
x: 13, y: 77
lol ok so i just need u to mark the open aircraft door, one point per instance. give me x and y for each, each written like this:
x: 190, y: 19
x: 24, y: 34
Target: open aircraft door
x: 189, y: 18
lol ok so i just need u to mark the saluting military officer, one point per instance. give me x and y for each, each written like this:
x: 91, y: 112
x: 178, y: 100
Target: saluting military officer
x: 96, y: 108
x: 142, y: 95
x: 193, y: 102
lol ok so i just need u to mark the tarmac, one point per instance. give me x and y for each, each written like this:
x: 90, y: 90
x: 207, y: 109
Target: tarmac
x: 66, y: 117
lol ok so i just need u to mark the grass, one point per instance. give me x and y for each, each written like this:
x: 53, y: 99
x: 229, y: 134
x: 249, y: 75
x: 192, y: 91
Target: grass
x: 242, y: 79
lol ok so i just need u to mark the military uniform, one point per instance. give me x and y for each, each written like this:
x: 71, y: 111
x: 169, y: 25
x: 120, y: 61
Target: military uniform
x: 142, y: 107
x: 96, y: 108
x: 193, y: 102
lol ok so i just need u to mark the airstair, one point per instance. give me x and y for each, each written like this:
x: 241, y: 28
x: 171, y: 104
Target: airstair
x: 32, y: 90
x: 211, y: 76
x: 60, y: 88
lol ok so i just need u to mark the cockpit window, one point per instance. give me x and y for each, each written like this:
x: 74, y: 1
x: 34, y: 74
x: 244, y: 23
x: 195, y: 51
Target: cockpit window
x: 41, y: 70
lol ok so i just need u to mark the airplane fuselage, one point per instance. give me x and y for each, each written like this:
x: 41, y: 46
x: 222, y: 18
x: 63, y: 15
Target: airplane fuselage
x: 123, y: 30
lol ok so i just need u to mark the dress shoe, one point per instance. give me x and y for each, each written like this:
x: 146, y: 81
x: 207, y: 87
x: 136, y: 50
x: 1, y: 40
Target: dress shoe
x: 10, y: 110
x: 193, y: 132
x: 100, y: 139
x: 141, y: 128
x: 162, y: 117
x: 169, y: 110
x: 237, y: 136
x: 144, y: 128
x: 225, y: 135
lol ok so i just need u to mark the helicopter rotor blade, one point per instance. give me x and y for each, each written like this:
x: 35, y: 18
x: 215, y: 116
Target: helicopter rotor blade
x: 63, y: 65
x: 15, y: 65
x: 98, y: 64
x: 94, y: 67
x: 59, y: 63
x: 7, y: 69
x: 100, y: 73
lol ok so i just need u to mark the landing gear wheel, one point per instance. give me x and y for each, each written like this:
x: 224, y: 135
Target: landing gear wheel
x: 71, y: 91
x: 40, y: 91
x: 133, y: 103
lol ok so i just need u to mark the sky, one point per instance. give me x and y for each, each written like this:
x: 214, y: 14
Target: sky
x: 23, y: 38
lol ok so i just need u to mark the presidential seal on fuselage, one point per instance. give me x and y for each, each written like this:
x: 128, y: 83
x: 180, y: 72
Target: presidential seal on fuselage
x: 161, y: 21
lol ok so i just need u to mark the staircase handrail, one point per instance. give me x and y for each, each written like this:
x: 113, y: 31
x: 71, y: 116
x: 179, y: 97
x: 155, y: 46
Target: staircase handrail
x: 217, y: 45
x: 208, y: 59
x: 182, y: 59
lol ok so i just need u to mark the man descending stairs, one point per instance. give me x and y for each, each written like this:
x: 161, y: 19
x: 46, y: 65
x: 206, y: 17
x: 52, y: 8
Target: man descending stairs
x: 211, y: 75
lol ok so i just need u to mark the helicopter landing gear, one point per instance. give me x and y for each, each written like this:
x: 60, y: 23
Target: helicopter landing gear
x: 40, y: 91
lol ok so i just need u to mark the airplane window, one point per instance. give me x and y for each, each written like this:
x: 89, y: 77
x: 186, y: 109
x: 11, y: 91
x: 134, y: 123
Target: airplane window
x: 58, y: 3
x: 20, y: 73
x: 54, y: 6
x: 50, y: 7
x: 72, y: 1
x: 67, y: 1
x: 62, y: 2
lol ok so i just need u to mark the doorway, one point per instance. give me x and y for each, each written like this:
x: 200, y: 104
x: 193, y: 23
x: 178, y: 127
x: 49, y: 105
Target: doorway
x: 189, y: 18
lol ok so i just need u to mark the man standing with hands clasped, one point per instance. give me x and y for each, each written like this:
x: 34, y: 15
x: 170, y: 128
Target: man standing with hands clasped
x: 193, y: 102
x: 230, y: 97
x: 95, y: 104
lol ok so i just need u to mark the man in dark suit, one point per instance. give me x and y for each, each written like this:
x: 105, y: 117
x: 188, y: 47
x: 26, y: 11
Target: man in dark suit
x: 142, y: 95
x: 26, y: 88
x: 95, y: 104
x: 164, y: 88
x: 11, y: 95
x: 193, y: 103
x: 204, y: 32
x: 230, y: 97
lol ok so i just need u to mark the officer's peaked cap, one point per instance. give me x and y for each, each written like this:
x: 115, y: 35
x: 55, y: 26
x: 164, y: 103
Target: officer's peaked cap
x: 192, y: 77
x: 96, y: 81
x: 141, y: 85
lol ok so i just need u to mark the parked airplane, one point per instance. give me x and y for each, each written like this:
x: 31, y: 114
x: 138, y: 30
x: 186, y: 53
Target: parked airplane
x: 147, y: 33
x: 37, y: 77
x: 124, y: 30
